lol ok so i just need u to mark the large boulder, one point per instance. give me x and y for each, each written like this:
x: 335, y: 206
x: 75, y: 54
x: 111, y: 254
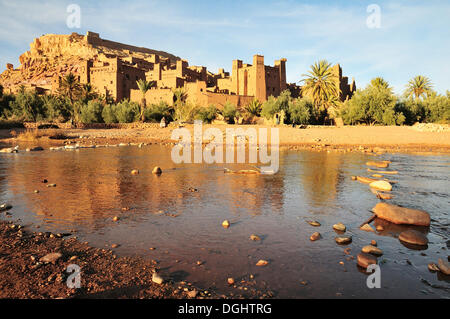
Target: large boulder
x: 401, y: 215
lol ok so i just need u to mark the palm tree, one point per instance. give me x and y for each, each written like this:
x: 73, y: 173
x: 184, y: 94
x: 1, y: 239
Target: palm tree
x: 379, y: 82
x: 87, y: 91
x: 320, y: 84
x: 144, y: 86
x: 70, y: 87
x: 180, y: 95
x: 418, y: 87
x: 254, y: 107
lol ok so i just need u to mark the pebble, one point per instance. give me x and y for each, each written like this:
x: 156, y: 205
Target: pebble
x: 192, y: 293
x: 369, y: 249
x: 339, y: 227
x: 254, y: 237
x: 134, y: 172
x: 315, y: 236
x: 364, y: 260
x: 343, y: 240
x: 381, y: 185
x: 114, y: 245
x: 51, y: 258
x: 314, y: 223
x: 51, y: 185
x: 225, y: 224
x: 115, y: 218
x: 366, y: 227
x: 157, y: 170
x: 262, y: 262
x: 230, y: 281
x: 157, y: 279
x: 373, y: 242
x: 413, y: 237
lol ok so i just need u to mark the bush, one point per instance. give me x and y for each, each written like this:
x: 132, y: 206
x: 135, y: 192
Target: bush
x: 229, y: 112
x: 437, y: 108
x: 108, y: 114
x: 91, y: 112
x: 56, y: 108
x: 185, y: 112
x: 126, y: 112
x: 27, y: 106
x: 207, y: 114
x: 254, y: 108
x: 275, y: 105
x: 157, y: 111
x: 373, y: 105
x: 300, y: 111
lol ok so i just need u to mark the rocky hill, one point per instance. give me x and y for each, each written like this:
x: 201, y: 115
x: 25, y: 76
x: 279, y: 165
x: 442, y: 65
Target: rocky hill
x: 53, y: 54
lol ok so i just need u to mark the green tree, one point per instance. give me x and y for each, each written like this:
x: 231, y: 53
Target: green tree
x: 157, y: 111
x: 87, y: 92
x: 144, y: 86
x: 254, y: 107
x: 91, y: 112
x: 275, y: 105
x: 300, y: 111
x: 207, y: 114
x: 229, y: 112
x: 27, y: 106
x: 320, y: 85
x: 419, y: 86
x: 56, y: 108
x: 127, y: 112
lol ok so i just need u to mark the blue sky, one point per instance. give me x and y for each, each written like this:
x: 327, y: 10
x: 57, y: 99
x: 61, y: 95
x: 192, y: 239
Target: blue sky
x: 414, y: 37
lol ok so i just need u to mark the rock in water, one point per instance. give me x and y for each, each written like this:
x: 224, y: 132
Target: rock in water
x: 366, y: 227
x: 433, y: 267
x: 364, y: 260
x: 444, y: 266
x: 339, y: 227
x: 254, y: 237
x: 225, y: 224
x: 315, y: 236
x: 378, y: 164
x: 314, y: 223
x: 51, y: 258
x: 262, y: 262
x: 381, y: 185
x: 343, y: 240
x: 134, y: 172
x: 401, y: 215
x: 192, y: 293
x: 369, y: 249
x: 5, y: 207
x: 230, y: 281
x: 413, y: 237
x: 157, y: 170
x: 157, y: 279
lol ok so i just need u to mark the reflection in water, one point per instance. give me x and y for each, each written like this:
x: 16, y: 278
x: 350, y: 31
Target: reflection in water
x: 93, y: 185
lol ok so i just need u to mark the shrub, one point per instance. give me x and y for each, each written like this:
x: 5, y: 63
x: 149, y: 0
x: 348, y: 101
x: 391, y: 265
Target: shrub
x: 185, y: 112
x: 157, y: 111
x: 108, y: 114
x: 300, y: 111
x: 373, y: 105
x: 229, y: 112
x: 91, y: 112
x: 437, y: 108
x: 207, y: 114
x: 56, y: 108
x: 28, y: 106
x: 126, y: 111
x: 275, y: 105
x: 254, y: 108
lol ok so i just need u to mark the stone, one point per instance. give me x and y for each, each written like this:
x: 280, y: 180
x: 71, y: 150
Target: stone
x: 444, y: 266
x: 51, y: 258
x: 343, y: 240
x: 8, y: 150
x: 225, y: 224
x: 262, y: 262
x: 315, y: 236
x: 230, y: 281
x: 314, y: 223
x: 115, y: 218
x: 365, y: 180
x: 381, y: 185
x: 413, y: 237
x: 364, y: 260
x: 433, y: 267
x: 4, y: 207
x: 369, y: 249
x: 134, y: 172
x: 254, y: 237
x: 339, y: 227
x: 192, y: 293
x: 157, y: 279
x: 383, y: 164
x: 373, y: 242
x: 379, y: 228
x: 367, y: 227
x: 401, y: 215
x: 114, y: 245
x: 383, y: 196
x: 157, y: 170
x: 51, y: 185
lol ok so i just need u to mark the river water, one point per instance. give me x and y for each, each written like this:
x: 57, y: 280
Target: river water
x: 184, y: 226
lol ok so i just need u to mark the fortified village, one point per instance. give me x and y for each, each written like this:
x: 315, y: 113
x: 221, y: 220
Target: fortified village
x: 113, y: 69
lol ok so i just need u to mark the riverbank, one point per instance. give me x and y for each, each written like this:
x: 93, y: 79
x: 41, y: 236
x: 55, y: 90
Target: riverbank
x: 348, y: 138
x: 24, y: 273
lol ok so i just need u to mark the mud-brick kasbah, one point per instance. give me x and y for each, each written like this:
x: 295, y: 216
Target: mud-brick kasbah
x: 114, y: 68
